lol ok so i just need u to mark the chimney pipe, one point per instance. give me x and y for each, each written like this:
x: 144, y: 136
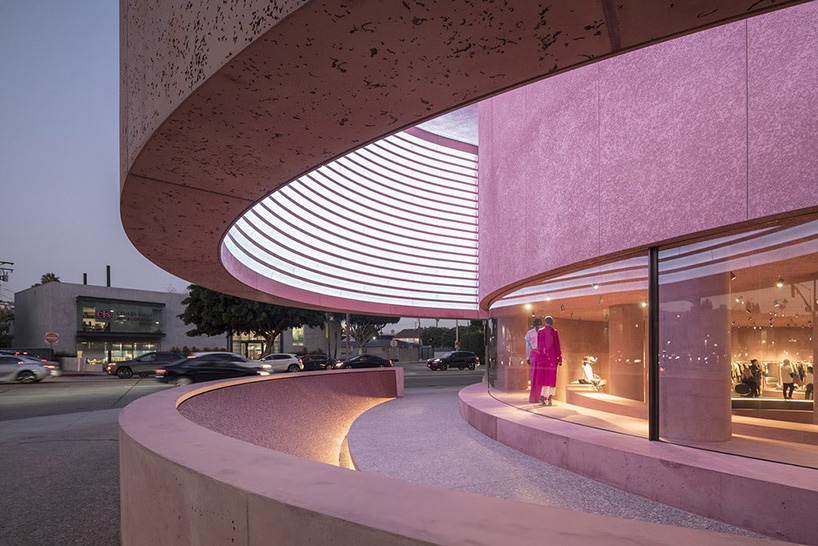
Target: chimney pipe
x: 108, y: 276
x: 85, y: 278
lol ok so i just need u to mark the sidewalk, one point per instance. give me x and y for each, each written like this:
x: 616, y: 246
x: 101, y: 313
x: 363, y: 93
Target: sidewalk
x: 422, y: 438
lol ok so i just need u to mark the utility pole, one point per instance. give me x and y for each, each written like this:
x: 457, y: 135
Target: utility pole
x: 347, y: 323
x: 6, y: 269
x: 420, y: 343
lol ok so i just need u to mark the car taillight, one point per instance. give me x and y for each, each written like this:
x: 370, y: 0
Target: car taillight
x: 477, y: 358
x: 49, y: 366
x: 159, y: 371
x: 300, y: 360
x: 191, y: 356
x: 390, y: 361
x: 21, y: 362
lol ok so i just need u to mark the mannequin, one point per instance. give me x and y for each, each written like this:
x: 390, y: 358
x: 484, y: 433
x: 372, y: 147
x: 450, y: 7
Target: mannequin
x: 531, y: 338
x: 532, y: 359
x: 549, y: 356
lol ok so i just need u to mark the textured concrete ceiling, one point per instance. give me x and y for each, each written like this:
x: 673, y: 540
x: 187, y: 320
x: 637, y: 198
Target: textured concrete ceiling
x: 320, y: 78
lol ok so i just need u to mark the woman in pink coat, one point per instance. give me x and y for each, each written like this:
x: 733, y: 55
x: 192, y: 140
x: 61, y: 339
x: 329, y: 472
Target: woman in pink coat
x: 544, y: 362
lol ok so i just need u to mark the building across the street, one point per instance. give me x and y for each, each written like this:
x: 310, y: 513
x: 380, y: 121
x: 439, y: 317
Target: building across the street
x: 102, y: 323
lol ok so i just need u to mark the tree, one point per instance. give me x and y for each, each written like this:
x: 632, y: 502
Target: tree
x: 6, y: 317
x: 47, y: 278
x: 438, y: 337
x: 362, y: 328
x: 213, y: 313
x: 472, y: 338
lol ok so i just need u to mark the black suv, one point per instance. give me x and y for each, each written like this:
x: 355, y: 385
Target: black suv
x: 143, y: 365
x: 365, y: 361
x: 317, y: 362
x: 456, y: 359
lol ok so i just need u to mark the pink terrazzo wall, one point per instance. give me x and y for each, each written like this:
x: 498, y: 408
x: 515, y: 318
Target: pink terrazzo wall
x: 652, y: 145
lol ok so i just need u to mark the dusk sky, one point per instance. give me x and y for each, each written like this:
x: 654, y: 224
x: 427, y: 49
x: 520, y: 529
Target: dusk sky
x: 59, y: 147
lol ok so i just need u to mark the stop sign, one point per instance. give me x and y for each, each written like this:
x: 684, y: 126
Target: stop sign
x: 52, y: 337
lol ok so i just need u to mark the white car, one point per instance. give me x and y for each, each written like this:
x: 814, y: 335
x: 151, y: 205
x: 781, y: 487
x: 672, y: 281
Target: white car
x: 14, y: 368
x: 282, y: 362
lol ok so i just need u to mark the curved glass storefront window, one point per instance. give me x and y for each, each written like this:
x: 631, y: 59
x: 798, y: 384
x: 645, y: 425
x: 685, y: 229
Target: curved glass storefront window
x: 737, y: 334
x: 735, y: 342
x: 599, y: 320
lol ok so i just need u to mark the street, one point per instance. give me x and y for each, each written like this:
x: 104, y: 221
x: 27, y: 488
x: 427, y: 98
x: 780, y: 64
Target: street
x: 59, y: 447
x: 71, y: 394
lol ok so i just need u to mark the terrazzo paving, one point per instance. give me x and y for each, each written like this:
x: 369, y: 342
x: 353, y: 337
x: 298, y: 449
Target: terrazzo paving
x: 422, y: 438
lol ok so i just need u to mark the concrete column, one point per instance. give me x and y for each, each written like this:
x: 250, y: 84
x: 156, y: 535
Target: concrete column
x: 512, y: 370
x: 694, y: 380
x: 626, y: 351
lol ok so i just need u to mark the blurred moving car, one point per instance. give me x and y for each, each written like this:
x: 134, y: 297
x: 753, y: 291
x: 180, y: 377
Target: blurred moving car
x: 209, y: 367
x: 52, y: 367
x: 281, y: 362
x: 365, y: 361
x: 15, y: 368
x: 142, y: 365
x: 317, y: 362
x: 235, y: 358
x: 456, y: 359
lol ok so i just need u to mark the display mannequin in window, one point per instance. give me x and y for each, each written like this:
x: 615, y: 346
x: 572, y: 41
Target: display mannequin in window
x: 531, y: 338
x: 547, y: 357
x: 788, y: 379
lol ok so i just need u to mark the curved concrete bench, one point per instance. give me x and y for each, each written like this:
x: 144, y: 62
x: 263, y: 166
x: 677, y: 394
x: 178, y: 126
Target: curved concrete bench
x: 763, y: 496
x: 183, y: 483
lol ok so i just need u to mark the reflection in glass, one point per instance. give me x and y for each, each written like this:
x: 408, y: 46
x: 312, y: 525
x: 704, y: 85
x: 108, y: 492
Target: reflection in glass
x: 737, y: 337
x: 601, y: 315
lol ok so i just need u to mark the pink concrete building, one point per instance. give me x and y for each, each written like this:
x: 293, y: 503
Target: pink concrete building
x: 644, y: 174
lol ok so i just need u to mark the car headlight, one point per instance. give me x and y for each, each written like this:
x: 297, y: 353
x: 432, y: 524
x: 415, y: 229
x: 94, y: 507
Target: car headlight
x: 267, y: 366
x: 260, y: 372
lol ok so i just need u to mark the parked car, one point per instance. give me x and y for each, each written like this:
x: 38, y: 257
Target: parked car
x: 15, y: 368
x: 281, y: 362
x: 317, y: 362
x: 365, y: 361
x: 143, y: 365
x: 210, y: 367
x: 455, y: 359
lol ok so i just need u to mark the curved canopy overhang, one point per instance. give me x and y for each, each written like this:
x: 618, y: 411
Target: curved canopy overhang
x: 209, y: 129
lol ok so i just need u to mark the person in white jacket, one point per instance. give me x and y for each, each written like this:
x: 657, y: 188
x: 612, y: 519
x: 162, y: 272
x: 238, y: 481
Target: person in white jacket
x: 531, y: 338
x: 787, y: 379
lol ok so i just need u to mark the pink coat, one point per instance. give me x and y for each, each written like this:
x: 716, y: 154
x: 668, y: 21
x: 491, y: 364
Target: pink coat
x: 544, y: 361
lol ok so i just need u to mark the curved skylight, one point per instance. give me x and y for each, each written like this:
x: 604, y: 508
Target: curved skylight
x: 394, y: 223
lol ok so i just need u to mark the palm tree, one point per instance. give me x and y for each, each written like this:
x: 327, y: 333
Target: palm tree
x: 48, y: 277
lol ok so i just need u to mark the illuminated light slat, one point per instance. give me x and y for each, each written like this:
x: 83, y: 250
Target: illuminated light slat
x: 286, y: 259
x: 284, y: 272
x: 362, y: 176
x: 418, y: 261
x: 295, y: 250
x: 408, y: 225
x: 364, y: 247
x: 363, y: 227
x: 327, y: 179
x: 393, y: 223
x: 306, y: 246
x: 376, y: 164
x: 422, y: 163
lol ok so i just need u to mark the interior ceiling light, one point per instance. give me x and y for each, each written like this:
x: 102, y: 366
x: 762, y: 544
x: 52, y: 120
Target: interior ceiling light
x: 780, y: 283
x: 595, y: 286
x: 644, y: 304
x: 732, y: 276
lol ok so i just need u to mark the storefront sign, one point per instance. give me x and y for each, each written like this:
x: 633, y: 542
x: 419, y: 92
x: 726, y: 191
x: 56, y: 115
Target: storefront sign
x: 104, y: 314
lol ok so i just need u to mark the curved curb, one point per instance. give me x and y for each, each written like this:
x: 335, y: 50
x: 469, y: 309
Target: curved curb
x: 762, y: 496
